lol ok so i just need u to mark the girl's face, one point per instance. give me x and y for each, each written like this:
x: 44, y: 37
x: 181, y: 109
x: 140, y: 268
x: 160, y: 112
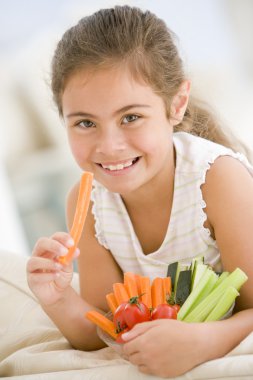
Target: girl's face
x: 117, y: 129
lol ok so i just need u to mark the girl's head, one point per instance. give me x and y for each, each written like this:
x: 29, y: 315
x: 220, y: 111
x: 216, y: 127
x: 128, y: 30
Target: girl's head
x: 143, y: 43
x: 109, y: 37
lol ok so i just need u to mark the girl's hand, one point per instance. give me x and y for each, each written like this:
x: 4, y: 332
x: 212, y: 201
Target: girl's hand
x: 47, y: 278
x: 166, y: 347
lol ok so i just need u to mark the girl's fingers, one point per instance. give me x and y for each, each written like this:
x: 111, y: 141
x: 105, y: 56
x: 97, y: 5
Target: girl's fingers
x: 64, y: 238
x: 49, y: 247
x: 138, y: 330
x: 43, y: 278
x: 38, y: 264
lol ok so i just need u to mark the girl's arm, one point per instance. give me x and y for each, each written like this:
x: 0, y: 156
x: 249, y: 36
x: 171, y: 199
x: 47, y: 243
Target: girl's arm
x: 228, y: 193
x: 97, y: 271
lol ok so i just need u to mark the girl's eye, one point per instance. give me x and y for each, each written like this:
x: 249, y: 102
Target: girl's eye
x: 129, y: 119
x: 85, y: 124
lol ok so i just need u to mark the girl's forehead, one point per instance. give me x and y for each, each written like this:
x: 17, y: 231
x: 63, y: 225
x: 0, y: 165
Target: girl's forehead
x: 115, y: 84
x: 105, y: 91
x: 85, y: 77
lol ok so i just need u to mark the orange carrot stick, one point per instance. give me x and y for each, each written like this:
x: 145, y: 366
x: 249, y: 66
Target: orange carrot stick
x: 137, y: 279
x: 166, y: 288
x: 82, y: 206
x: 112, y: 302
x: 120, y: 292
x: 146, y: 291
x: 101, y: 321
x: 130, y: 284
x: 157, y: 292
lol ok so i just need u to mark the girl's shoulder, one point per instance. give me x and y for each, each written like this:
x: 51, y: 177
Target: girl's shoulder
x: 195, y: 154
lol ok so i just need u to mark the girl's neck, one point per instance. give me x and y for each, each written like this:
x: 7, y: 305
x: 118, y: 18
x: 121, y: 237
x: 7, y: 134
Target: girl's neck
x: 157, y: 192
x: 149, y: 209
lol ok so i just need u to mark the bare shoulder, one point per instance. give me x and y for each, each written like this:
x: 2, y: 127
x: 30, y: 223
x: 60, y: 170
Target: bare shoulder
x: 227, y: 177
x: 96, y: 265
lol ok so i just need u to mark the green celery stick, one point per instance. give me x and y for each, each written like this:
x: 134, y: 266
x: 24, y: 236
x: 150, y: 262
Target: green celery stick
x: 221, y: 278
x: 223, y: 305
x: 203, y: 288
x: 199, y: 313
x: 195, y: 261
x: 199, y: 270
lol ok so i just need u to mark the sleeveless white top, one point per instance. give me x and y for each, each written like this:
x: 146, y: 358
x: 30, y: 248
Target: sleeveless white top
x: 186, y: 236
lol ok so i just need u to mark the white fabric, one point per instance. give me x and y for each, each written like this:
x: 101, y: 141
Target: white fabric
x: 31, y: 347
x: 186, y: 236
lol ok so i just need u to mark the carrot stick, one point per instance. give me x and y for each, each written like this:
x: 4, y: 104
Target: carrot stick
x: 112, y: 302
x: 146, y: 291
x: 166, y: 288
x: 101, y: 321
x: 82, y: 206
x: 120, y: 292
x: 130, y: 284
x: 137, y: 279
x: 157, y: 292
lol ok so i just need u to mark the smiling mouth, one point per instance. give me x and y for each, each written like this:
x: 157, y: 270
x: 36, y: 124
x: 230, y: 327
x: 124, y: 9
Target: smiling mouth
x: 121, y: 166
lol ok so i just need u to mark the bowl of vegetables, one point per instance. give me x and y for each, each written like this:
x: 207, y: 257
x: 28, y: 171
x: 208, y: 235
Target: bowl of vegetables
x: 190, y: 294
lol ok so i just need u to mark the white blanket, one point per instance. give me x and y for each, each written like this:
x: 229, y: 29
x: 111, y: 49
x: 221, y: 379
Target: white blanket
x: 31, y: 347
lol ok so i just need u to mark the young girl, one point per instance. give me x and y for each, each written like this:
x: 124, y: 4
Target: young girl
x: 167, y: 188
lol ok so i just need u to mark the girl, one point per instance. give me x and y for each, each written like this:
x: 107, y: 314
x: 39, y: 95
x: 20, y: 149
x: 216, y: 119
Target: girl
x: 168, y: 187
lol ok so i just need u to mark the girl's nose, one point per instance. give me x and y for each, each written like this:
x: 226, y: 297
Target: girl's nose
x: 110, y: 140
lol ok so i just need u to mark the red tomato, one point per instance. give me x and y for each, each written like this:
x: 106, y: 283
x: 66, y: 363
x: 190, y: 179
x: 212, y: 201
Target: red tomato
x: 164, y: 311
x: 136, y: 312
x: 176, y: 307
x: 118, y: 318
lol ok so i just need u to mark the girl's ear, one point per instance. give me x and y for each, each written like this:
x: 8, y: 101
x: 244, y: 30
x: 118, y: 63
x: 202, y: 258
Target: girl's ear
x: 179, y: 103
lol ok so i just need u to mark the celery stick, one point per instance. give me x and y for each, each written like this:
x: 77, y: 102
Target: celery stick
x: 195, y: 261
x: 198, y: 314
x: 221, y: 278
x: 203, y: 288
x: 198, y: 271
x: 223, y: 305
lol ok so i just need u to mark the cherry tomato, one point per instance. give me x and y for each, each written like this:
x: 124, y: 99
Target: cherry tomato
x: 164, y: 311
x: 136, y: 312
x: 176, y: 307
x: 119, y: 319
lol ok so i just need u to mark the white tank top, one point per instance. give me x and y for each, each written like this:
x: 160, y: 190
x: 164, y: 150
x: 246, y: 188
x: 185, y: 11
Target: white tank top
x: 186, y: 236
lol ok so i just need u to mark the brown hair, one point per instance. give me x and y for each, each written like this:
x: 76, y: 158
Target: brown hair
x: 142, y: 41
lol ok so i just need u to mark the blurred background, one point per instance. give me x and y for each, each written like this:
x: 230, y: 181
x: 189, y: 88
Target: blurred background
x: 36, y: 167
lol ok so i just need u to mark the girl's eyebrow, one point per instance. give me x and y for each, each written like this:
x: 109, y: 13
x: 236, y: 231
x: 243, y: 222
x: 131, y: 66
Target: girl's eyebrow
x: 123, y: 109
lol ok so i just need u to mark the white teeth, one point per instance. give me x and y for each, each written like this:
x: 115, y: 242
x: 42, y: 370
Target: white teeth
x: 119, y: 166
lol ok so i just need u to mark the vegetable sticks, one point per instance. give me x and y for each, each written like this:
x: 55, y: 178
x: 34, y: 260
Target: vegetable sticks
x: 112, y: 302
x: 166, y: 289
x: 131, y: 284
x: 101, y: 321
x: 146, y: 291
x: 157, y: 292
x: 120, y: 292
x: 80, y: 215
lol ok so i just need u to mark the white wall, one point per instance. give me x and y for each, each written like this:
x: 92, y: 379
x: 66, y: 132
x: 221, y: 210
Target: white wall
x: 210, y: 43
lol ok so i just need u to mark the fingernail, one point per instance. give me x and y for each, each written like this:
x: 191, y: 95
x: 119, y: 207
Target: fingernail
x: 125, y: 336
x: 77, y: 252
x: 63, y: 251
x: 70, y: 242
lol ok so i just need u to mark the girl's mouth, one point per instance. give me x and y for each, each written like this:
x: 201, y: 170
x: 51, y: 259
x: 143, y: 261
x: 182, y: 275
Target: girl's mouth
x: 120, y: 167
